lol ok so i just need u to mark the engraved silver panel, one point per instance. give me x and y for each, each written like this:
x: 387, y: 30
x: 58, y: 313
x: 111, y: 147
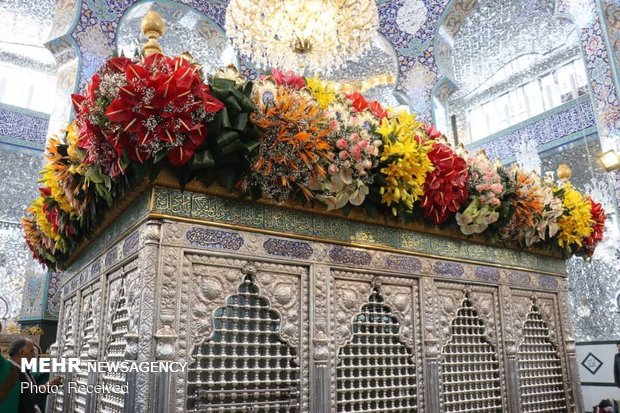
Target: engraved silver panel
x: 385, y: 337
x: 66, y: 348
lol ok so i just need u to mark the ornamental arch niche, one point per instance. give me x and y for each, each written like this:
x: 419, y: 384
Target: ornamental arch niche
x: 480, y: 56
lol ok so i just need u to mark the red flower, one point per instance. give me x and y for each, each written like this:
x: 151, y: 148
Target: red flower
x: 83, y: 103
x: 377, y: 110
x: 431, y: 131
x: 445, y: 189
x: 164, y: 101
x: 358, y: 101
x: 180, y: 155
x: 117, y: 64
x: 598, y: 215
x: 288, y: 78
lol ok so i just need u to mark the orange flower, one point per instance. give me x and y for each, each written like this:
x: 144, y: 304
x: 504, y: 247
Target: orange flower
x: 293, y: 146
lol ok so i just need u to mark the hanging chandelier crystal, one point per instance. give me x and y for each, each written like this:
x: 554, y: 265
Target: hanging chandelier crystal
x: 312, y: 36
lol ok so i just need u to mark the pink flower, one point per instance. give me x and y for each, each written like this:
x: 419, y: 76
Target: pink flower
x: 334, y: 126
x: 357, y: 152
x: 367, y: 164
x: 341, y: 143
x: 364, y: 144
x: 332, y: 169
x: 497, y: 188
x: 343, y: 155
x: 355, y: 137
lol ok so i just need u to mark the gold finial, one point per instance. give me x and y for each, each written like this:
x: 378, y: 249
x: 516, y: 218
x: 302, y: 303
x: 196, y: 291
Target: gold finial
x: 563, y: 172
x: 153, y: 28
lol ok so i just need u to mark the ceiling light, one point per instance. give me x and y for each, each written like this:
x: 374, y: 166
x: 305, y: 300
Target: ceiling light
x: 312, y: 36
x: 610, y: 160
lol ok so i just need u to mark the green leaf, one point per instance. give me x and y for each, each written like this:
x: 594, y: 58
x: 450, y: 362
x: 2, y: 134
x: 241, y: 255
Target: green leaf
x: 251, y: 145
x: 240, y: 121
x: 207, y: 177
x: 228, y: 177
x: 232, y: 105
x: 202, y: 160
x: 228, y: 142
x: 160, y: 155
x: 125, y: 161
x: 225, y: 119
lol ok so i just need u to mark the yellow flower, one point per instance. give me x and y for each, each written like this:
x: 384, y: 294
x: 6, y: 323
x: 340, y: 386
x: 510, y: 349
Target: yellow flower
x: 36, y: 209
x: 323, y: 92
x: 72, y: 142
x: 406, y: 173
x: 400, y: 125
x: 58, y: 173
x: 576, y: 223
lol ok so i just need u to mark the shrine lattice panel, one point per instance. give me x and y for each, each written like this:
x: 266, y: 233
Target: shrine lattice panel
x: 376, y: 372
x: 540, y: 368
x: 244, y: 366
x: 470, y: 367
x: 112, y: 402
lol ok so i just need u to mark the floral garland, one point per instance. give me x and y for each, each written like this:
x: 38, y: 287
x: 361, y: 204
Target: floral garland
x: 284, y: 137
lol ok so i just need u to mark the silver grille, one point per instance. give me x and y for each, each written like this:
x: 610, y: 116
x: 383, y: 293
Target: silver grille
x: 470, y: 368
x: 540, y: 368
x: 112, y: 402
x: 67, y: 344
x: 87, y: 333
x: 376, y: 372
x: 244, y: 366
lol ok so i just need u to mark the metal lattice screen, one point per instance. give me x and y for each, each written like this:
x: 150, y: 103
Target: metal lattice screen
x: 244, y: 366
x: 115, y: 350
x: 376, y: 372
x: 540, y: 368
x: 67, y: 342
x: 470, y: 368
x: 87, y: 333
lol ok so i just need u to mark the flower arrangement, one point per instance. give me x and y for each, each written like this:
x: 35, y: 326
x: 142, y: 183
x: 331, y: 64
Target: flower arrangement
x: 486, y: 189
x: 536, y: 210
x: 349, y: 172
x: 294, y: 148
x: 156, y: 107
x: 404, y: 161
x: 576, y: 223
x: 446, y: 187
x: 282, y: 137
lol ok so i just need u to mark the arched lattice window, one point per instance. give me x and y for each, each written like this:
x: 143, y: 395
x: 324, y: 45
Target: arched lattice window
x: 540, y: 368
x: 376, y: 372
x: 470, y: 368
x: 244, y: 366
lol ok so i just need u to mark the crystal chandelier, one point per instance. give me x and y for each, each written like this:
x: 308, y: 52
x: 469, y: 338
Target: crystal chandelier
x: 312, y: 36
